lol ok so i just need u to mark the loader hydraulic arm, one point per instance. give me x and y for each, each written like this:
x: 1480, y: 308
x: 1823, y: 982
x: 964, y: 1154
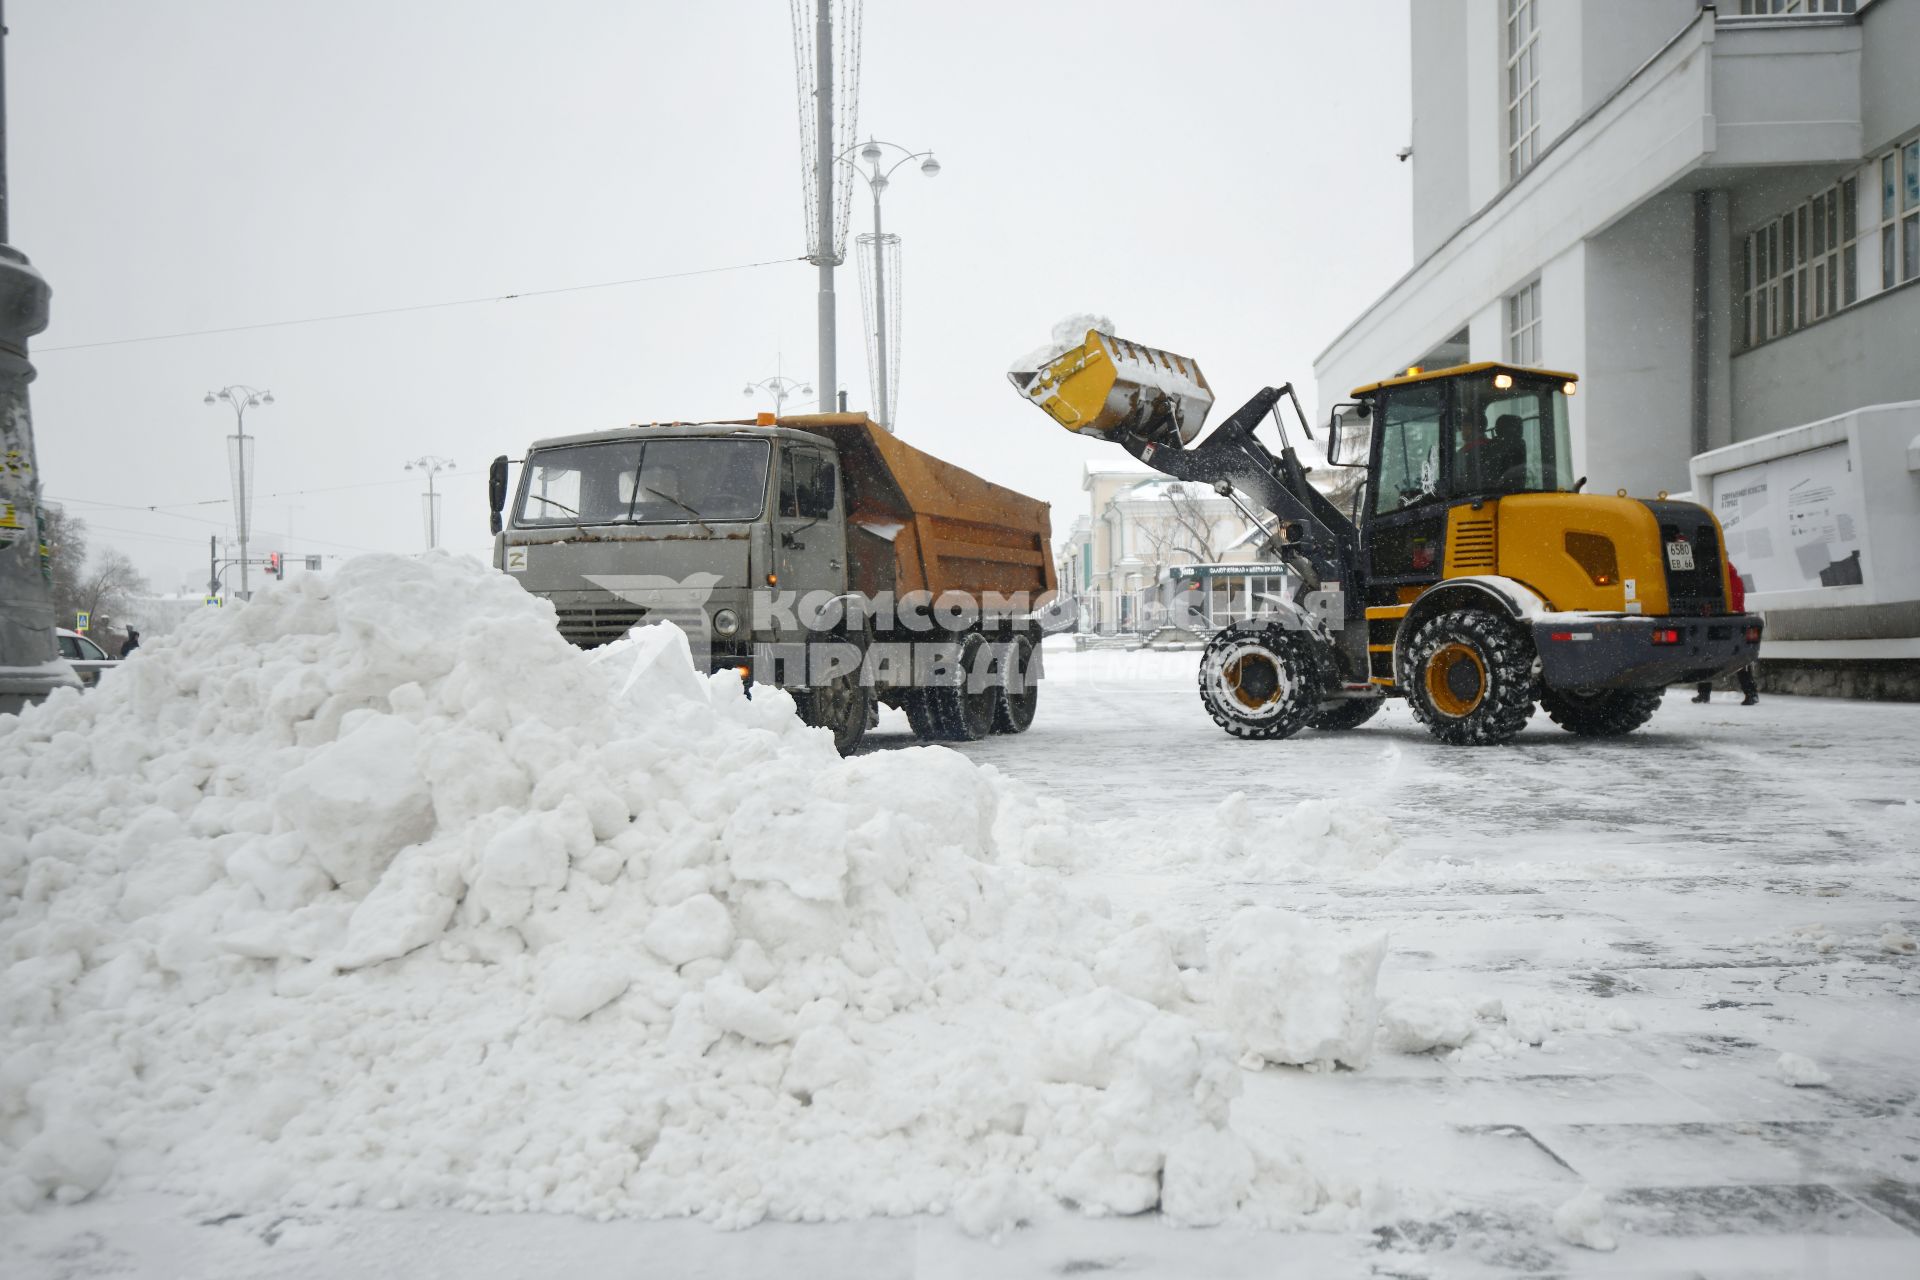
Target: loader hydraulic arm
x: 1232, y: 453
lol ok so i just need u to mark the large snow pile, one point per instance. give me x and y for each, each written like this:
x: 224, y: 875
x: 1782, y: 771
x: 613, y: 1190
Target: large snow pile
x: 377, y: 891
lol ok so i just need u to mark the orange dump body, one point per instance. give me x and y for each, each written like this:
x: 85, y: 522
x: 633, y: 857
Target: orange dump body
x: 950, y: 530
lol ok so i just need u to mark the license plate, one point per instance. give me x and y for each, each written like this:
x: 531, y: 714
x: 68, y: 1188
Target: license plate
x: 1680, y: 554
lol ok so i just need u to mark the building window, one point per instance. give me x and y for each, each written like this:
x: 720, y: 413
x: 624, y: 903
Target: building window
x: 1523, y: 87
x: 1804, y: 265
x: 1523, y: 326
x: 1900, y: 214
x: 1762, y: 8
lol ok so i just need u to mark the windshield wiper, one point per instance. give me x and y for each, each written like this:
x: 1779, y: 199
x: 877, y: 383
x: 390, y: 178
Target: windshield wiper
x: 647, y: 488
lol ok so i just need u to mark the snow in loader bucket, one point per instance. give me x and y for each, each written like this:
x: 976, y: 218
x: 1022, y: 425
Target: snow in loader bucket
x: 1110, y: 388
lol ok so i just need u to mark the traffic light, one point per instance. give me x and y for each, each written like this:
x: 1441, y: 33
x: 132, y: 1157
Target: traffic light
x: 276, y: 564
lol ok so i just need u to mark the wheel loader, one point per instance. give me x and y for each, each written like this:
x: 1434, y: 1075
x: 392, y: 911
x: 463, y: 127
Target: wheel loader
x: 1472, y: 576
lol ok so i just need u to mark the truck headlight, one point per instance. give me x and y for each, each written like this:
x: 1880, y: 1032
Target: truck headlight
x: 725, y: 622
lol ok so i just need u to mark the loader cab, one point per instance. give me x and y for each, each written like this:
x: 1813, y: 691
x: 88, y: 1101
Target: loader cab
x: 1450, y: 439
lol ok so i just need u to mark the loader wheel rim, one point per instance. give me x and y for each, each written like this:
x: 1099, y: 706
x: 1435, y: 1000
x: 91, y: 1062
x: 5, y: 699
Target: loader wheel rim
x: 1253, y: 680
x: 1456, y: 679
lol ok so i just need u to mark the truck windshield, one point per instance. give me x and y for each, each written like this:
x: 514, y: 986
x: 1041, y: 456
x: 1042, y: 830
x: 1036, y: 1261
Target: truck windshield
x: 662, y: 481
x: 1510, y: 439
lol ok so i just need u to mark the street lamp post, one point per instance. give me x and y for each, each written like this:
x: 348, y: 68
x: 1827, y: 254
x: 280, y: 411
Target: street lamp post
x: 780, y: 387
x: 433, y: 466
x: 241, y: 397
x: 878, y: 179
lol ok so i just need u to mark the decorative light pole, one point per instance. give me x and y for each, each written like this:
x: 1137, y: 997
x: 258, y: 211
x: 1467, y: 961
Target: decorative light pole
x: 433, y: 466
x: 780, y: 387
x: 240, y: 461
x: 828, y: 76
x: 30, y: 665
x: 882, y: 356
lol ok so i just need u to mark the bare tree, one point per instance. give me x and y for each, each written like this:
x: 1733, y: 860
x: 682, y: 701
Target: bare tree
x: 66, y: 538
x: 110, y: 585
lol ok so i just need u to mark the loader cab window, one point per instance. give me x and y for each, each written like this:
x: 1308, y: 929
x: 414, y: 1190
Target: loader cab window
x: 806, y: 484
x: 1411, y: 419
x: 1513, y: 439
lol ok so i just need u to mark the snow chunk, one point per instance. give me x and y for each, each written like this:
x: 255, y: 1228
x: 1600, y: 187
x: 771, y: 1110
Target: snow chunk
x: 1583, y: 1221
x: 1295, y: 991
x: 1801, y: 1072
x: 690, y: 930
x: 1421, y: 1026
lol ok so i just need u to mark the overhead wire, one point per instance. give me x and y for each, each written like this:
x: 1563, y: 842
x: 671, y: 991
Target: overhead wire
x: 419, y: 306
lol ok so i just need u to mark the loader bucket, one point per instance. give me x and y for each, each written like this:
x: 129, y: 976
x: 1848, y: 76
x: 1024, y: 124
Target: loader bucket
x: 1110, y: 388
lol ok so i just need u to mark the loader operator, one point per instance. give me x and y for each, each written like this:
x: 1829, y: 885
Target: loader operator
x: 1494, y: 459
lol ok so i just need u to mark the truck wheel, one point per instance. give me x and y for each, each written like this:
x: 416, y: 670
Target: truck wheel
x: 1350, y: 714
x: 1605, y: 713
x: 840, y: 706
x: 960, y: 712
x: 1014, y: 712
x: 1470, y: 677
x: 1259, y: 682
x: 919, y: 713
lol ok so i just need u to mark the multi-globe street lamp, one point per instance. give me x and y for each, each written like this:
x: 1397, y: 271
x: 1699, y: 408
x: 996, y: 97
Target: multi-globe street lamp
x: 240, y: 459
x: 781, y: 388
x: 432, y: 465
x: 878, y: 179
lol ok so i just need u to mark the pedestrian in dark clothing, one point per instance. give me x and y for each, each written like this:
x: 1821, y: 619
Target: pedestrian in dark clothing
x: 132, y: 643
x: 1748, y: 687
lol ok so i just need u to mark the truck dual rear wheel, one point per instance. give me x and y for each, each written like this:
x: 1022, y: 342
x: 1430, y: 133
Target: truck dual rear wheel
x: 1469, y: 676
x: 1014, y: 711
x: 1259, y: 682
x: 958, y: 711
x: 1604, y: 713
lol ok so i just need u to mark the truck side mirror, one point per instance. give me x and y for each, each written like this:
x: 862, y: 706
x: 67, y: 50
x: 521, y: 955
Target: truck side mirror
x: 1348, y: 439
x: 497, y: 489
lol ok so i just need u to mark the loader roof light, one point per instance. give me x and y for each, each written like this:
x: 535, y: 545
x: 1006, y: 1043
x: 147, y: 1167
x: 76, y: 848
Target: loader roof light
x: 1414, y: 370
x: 1501, y: 381
x: 1571, y: 387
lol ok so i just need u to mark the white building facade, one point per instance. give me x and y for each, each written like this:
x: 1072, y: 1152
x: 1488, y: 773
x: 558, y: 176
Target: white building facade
x: 1711, y: 214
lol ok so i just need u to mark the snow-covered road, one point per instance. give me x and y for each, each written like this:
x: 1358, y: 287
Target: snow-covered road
x: 1624, y: 936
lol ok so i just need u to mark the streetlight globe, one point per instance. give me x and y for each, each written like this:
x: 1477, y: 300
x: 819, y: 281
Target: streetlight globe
x: 267, y: 398
x: 209, y: 399
x: 747, y: 390
x: 804, y: 389
x: 931, y: 167
x: 871, y: 152
x: 878, y: 183
x: 252, y: 401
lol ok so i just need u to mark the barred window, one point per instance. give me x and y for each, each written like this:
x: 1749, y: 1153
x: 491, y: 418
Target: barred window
x: 1804, y: 265
x: 1523, y: 326
x: 1523, y: 87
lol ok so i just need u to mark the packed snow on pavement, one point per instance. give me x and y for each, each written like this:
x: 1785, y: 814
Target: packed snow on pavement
x: 335, y: 924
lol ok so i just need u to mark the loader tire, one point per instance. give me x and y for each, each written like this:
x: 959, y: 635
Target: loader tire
x: 1348, y: 715
x: 1605, y: 713
x: 1469, y: 676
x: 1259, y: 682
x: 963, y: 710
x: 1013, y: 712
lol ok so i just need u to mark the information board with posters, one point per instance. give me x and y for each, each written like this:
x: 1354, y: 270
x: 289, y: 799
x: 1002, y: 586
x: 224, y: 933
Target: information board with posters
x: 1794, y: 523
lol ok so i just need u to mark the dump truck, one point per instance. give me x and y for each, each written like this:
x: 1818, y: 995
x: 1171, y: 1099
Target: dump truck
x: 1472, y: 575
x: 819, y: 553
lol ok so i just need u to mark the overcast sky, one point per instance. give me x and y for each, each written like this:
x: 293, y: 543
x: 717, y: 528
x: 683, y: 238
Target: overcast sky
x: 1219, y: 178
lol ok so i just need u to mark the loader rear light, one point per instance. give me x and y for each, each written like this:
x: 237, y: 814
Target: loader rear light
x: 1753, y: 635
x: 1570, y: 635
x: 1666, y: 635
